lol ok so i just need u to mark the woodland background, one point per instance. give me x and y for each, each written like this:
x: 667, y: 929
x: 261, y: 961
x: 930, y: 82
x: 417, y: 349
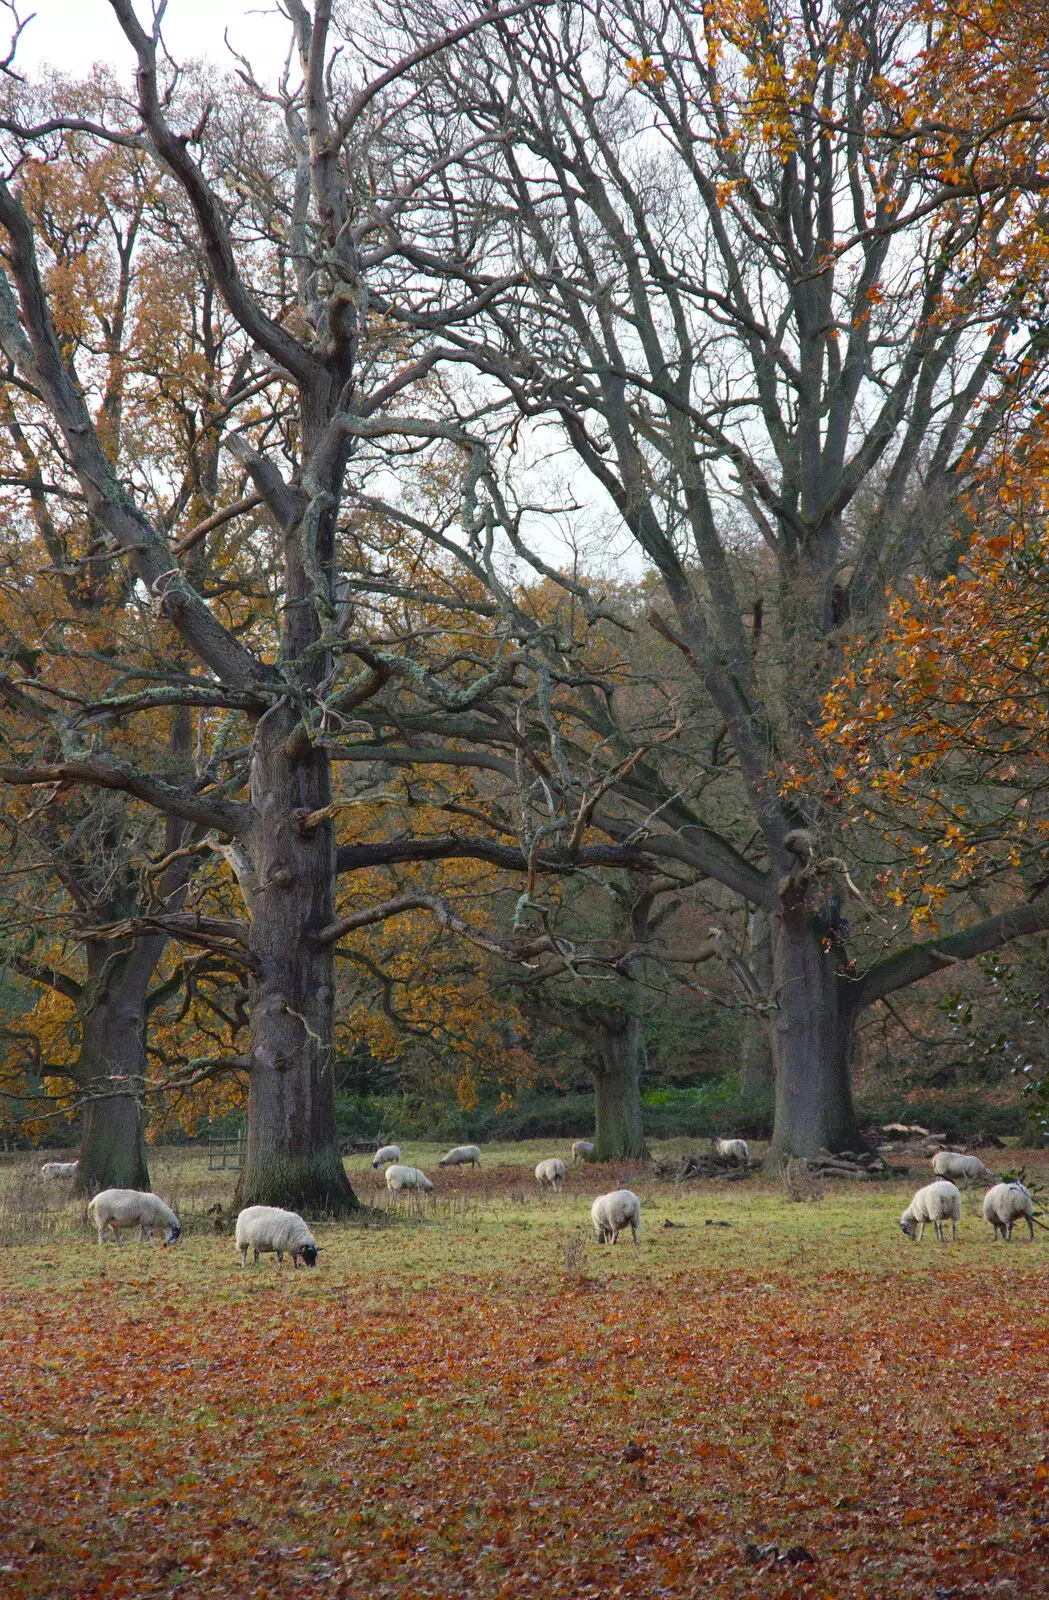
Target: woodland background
x: 522, y: 577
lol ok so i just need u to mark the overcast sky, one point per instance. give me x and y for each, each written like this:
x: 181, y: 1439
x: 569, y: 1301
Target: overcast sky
x: 72, y: 34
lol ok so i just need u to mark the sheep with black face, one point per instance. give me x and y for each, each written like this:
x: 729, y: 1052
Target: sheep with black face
x: 267, y: 1230
x: 118, y: 1209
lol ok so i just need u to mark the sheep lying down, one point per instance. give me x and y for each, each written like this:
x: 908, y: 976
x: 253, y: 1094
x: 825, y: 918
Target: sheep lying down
x: 936, y: 1203
x: 130, y: 1208
x: 267, y: 1230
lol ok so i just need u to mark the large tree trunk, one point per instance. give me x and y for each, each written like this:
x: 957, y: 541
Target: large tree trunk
x: 112, y: 1152
x: 617, y: 1091
x: 755, y: 1071
x: 811, y: 1042
x: 291, y: 1157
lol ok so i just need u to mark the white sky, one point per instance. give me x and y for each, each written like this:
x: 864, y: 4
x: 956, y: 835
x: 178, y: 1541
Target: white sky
x: 73, y: 34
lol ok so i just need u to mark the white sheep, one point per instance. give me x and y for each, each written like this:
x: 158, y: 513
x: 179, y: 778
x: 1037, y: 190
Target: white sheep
x: 131, y: 1208
x: 936, y: 1203
x: 1005, y: 1204
x: 611, y: 1212
x: 389, y: 1155
x: 464, y: 1155
x: 398, y: 1178
x: 59, y: 1169
x: 949, y: 1164
x: 552, y: 1172
x: 267, y: 1230
x: 734, y: 1150
x: 582, y: 1150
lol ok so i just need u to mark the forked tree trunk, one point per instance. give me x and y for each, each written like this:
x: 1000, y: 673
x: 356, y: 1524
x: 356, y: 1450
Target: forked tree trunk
x: 811, y: 1042
x: 112, y: 1152
x: 291, y: 1156
x: 617, y: 1091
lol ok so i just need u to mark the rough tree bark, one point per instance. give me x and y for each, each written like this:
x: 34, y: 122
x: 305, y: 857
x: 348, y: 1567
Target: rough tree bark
x: 756, y: 1072
x: 110, y: 1073
x: 616, y: 1074
x: 812, y: 1035
x: 291, y: 1155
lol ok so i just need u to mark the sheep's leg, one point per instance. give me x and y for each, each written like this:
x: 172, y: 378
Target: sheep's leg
x: 1007, y: 1230
x: 255, y: 1249
x: 633, y: 1229
x: 938, y: 1225
x: 102, y: 1235
x: 243, y: 1254
x: 918, y: 1235
x: 1030, y: 1228
x: 954, y: 1230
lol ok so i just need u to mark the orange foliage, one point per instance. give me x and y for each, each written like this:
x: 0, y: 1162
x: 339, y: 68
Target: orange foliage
x: 346, y: 1436
x: 936, y: 739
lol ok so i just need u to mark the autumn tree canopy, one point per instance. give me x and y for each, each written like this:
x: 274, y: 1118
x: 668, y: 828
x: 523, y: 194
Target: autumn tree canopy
x: 723, y: 261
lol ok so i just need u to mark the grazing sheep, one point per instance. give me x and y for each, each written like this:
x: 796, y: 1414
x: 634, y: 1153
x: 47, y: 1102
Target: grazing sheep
x: 1005, y: 1204
x: 936, y: 1203
x: 59, y: 1169
x: 949, y: 1164
x: 130, y: 1208
x: 582, y: 1150
x: 267, y: 1230
x: 389, y: 1155
x: 734, y: 1150
x: 611, y: 1212
x: 398, y: 1178
x: 464, y: 1155
x: 552, y: 1172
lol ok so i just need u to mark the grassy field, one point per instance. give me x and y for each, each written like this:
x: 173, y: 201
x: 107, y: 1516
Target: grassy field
x: 469, y: 1397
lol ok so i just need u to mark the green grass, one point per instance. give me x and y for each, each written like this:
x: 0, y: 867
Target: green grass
x: 494, y: 1221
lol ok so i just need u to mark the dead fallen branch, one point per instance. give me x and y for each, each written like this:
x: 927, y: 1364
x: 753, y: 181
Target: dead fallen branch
x: 694, y: 1165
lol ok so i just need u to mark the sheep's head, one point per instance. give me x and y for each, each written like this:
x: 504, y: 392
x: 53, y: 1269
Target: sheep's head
x: 173, y: 1235
x: 309, y: 1254
x: 908, y: 1226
